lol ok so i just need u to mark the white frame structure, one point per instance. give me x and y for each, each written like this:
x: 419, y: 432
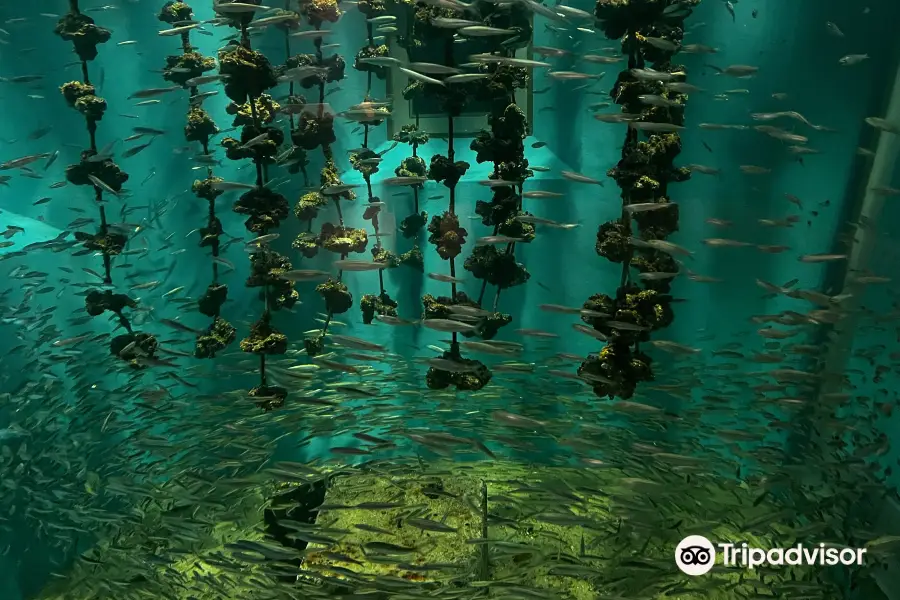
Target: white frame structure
x: 466, y: 125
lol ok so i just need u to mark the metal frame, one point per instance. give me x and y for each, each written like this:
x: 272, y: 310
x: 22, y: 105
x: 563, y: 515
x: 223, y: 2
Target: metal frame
x: 466, y: 125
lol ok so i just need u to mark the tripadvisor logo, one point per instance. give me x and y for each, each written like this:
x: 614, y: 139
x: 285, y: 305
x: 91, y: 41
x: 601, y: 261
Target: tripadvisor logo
x: 696, y: 555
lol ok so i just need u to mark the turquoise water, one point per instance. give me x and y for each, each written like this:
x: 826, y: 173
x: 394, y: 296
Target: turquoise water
x: 797, y: 58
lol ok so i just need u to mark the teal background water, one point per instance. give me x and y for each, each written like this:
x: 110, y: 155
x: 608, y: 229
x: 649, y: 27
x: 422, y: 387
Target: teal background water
x: 787, y: 40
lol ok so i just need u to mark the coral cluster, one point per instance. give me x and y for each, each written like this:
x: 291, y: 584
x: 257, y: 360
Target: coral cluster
x: 652, y: 32
x: 248, y: 74
x: 412, y: 166
x: 98, y: 170
x: 200, y: 127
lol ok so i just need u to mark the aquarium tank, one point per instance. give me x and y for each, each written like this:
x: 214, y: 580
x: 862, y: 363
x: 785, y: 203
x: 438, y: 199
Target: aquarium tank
x: 451, y: 300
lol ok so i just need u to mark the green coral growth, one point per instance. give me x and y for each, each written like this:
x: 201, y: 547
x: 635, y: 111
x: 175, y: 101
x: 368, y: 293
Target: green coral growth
x: 266, y: 209
x: 307, y: 244
x: 413, y: 224
x: 73, y: 90
x: 412, y: 166
x: 174, y: 12
x: 343, y: 240
x: 413, y: 258
x: 266, y: 111
x: 80, y: 29
x: 471, y: 375
x: 318, y: 12
x: 503, y: 206
x: 612, y: 241
x: 366, y: 162
x: 307, y: 207
x: 497, y: 268
x: 503, y: 143
x: 313, y: 131
x: 264, y: 339
x: 616, y: 371
x: 248, y: 73
x: 269, y: 397
x: 314, y: 346
x: 133, y: 348
x: 443, y: 171
x: 266, y: 268
x: 182, y: 67
x: 105, y: 170
x: 515, y: 228
x: 365, y: 52
x: 218, y: 336
x: 206, y: 188
x: 109, y: 243
x: 645, y: 309
x: 411, y: 134
x: 213, y: 299
x: 337, y: 296
x: 200, y: 127
x: 371, y: 305
x: 385, y: 257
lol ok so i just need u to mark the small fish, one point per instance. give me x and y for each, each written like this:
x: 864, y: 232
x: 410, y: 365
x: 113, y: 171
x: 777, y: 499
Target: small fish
x: 136, y: 150
x: 357, y: 265
x: 420, y: 77
x: 448, y: 325
x: 180, y: 326
x: 100, y: 184
x: 484, y: 31
x: 496, y: 239
x: 853, y: 59
x: 818, y: 258
x: 833, y: 29
x: 178, y: 31
x: 445, y: 278
x: 299, y: 275
x: 150, y: 92
x: 579, y: 178
x: 739, y: 71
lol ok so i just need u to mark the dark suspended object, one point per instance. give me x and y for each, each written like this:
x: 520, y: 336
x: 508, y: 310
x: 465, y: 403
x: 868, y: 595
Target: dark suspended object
x: 97, y: 169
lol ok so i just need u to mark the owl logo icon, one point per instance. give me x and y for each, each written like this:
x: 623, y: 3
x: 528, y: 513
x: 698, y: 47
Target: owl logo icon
x: 695, y: 555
